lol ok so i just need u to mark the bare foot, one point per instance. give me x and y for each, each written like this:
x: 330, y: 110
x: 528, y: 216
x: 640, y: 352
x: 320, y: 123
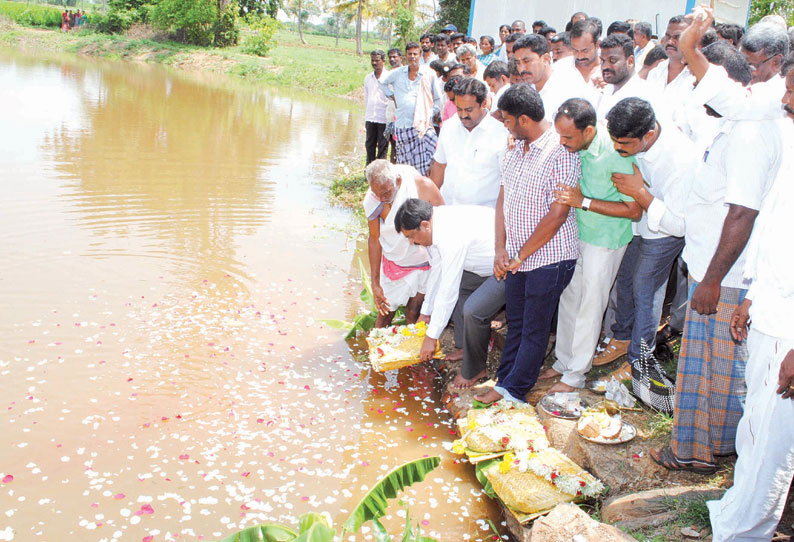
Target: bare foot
x: 548, y: 374
x: 561, y: 387
x: 488, y: 397
x: 460, y: 383
x: 455, y: 355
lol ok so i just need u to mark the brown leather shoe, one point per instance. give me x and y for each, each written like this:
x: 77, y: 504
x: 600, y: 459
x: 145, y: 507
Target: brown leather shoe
x: 614, y: 349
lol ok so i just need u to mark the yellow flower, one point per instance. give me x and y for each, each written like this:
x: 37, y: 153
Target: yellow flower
x: 506, y: 463
x: 406, y: 332
x: 421, y: 325
x: 459, y: 447
x: 472, y: 425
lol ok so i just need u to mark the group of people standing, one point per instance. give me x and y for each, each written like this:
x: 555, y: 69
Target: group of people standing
x: 569, y: 186
x: 72, y: 19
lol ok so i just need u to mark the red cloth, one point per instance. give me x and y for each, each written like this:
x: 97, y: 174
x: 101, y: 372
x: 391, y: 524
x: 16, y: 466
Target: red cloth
x: 396, y: 272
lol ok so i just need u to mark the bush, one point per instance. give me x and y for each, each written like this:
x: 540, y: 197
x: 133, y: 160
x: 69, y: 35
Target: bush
x: 191, y: 20
x: 259, y: 40
x: 34, y: 15
x: 225, y: 27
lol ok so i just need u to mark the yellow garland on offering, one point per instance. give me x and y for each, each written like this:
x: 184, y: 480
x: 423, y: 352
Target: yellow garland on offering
x: 503, y: 426
x: 397, y: 346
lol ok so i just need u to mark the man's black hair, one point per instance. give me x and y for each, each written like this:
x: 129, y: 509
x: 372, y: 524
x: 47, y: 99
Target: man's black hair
x: 411, y: 214
x: 412, y: 45
x: 438, y: 67
x: 380, y: 53
x: 731, y: 32
x: 539, y: 22
x: 579, y: 110
x: 514, y: 37
x: 619, y: 41
x: 495, y: 70
x: 631, y: 118
x: 522, y: 99
x: 622, y: 27
x: 458, y: 36
x: 470, y: 86
x: 547, y: 30
x: 643, y: 28
x: 591, y: 25
x: 395, y: 50
x: 443, y: 37
x: 709, y: 37
x: 564, y: 37
x: 534, y: 42
x: 721, y: 53
x: 489, y: 39
x: 654, y: 55
x: 787, y: 66
x: 512, y: 67
x: 428, y: 36
x: 678, y: 19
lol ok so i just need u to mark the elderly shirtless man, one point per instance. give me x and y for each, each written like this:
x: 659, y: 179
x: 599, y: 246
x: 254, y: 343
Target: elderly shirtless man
x: 399, y: 270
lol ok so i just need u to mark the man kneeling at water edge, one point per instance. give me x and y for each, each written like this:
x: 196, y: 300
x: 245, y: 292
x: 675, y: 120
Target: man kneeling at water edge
x: 399, y: 269
x: 460, y: 243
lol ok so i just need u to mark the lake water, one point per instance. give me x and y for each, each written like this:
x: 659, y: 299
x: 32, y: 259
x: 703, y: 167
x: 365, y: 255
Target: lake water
x: 166, y: 255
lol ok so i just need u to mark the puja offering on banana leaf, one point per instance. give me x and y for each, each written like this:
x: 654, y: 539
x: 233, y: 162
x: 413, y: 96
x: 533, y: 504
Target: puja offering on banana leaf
x: 505, y: 425
x: 395, y: 347
x: 533, y: 483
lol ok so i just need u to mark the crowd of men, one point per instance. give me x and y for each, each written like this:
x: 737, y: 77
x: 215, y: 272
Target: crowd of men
x: 577, y: 181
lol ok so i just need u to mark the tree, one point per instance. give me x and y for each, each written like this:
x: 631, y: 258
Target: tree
x: 301, y: 10
x: 761, y: 8
x: 455, y: 12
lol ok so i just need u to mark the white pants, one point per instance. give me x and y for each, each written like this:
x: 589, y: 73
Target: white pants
x: 582, y: 307
x: 751, y: 509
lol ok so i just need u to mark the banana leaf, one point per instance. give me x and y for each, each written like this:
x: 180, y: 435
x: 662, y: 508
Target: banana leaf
x: 374, y: 503
x: 380, y: 532
x: 479, y: 471
x: 269, y: 532
x: 314, y: 528
x: 367, y: 296
x: 337, y: 324
x: 409, y: 535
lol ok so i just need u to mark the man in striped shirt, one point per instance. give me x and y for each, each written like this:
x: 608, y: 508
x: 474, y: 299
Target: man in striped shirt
x: 536, y: 238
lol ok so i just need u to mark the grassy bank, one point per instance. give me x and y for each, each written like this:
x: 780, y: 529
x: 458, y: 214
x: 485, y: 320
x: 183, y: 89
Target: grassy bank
x: 318, y: 67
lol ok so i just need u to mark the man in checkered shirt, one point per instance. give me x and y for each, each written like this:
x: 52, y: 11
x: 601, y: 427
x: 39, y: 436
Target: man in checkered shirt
x: 536, y: 239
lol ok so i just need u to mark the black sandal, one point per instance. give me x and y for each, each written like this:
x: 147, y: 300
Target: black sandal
x: 667, y: 459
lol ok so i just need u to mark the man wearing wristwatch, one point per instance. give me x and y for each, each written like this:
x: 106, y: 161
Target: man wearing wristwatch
x: 604, y: 218
x: 536, y: 239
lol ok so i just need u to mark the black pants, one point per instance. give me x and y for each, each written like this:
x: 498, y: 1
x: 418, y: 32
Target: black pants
x: 375, y: 142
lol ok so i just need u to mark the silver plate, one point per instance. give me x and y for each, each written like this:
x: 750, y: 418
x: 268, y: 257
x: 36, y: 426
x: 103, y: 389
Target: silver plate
x: 553, y: 409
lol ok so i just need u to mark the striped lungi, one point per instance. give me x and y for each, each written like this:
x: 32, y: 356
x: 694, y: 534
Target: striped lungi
x: 710, y: 386
x: 414, y: 150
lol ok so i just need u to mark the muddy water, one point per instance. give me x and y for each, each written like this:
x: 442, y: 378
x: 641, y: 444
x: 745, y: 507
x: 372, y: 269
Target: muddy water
x: 166, y: 256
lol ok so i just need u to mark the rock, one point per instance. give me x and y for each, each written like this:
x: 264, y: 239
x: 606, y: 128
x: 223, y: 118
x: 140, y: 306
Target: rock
x: 690, y: 532
x: 568, y: 522
x: 653, y: 507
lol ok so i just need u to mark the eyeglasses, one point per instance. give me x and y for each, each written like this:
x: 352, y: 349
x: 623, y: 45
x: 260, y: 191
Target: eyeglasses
x: 755, y: 67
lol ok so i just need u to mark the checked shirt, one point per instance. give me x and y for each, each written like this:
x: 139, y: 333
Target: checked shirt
x: 529, y: 180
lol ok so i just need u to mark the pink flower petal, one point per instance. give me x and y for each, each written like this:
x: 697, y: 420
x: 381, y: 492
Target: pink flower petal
x: 7, y: 479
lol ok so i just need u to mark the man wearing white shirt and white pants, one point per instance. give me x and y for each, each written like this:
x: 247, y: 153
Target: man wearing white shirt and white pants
x: 471, y: 146
x: 460, y: 240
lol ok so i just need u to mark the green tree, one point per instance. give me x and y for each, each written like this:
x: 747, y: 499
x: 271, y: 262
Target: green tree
x: 455, y: 12
x: 301, y: 10
x: 191, y: 20
x: 762, y: 8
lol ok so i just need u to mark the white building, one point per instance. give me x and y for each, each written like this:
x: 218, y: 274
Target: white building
x: 486, y: 16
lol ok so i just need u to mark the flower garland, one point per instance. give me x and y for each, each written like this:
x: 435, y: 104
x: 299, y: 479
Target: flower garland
x: 392, y: 337
x: 524, y: 461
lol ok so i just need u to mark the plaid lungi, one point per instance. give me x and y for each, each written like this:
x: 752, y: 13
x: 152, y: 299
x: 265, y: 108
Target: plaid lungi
x: 710, y: 386
x: 414, y: 150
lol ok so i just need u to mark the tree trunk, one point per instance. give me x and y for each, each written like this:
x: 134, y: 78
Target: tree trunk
x: 300, y: 21
x: 359, y: 48
x: 337, y: 20
x: 388, y: 36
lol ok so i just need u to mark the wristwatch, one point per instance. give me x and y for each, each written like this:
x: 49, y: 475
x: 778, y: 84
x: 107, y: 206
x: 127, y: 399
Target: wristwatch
x: 586, y: 203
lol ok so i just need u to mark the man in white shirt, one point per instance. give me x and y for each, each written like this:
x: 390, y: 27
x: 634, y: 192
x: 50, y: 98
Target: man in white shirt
x: 460, y: 240
x: 585, y: 40
x: 376, y: 143
x: 498, y: 80
x: 427, y: 41
x: 643, y: 43
x: 467, y: 55
x: 751, y: 509
x: 671, y: 78
x: 666, y: 160
x: 399, y: 270
x: 471, y: 146
x: 554, y: 86
x: 617, y: 69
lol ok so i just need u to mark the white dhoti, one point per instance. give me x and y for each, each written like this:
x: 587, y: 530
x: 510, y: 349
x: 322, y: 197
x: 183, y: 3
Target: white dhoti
x: 399, y: 291
x: 751, y: 509
x: 582, y: 306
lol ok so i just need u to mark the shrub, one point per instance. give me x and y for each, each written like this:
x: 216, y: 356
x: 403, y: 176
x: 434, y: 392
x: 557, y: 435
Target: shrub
x: 225, y: 27
x: 259, y: 39
x: 191, y: 20
x: 34, y: 15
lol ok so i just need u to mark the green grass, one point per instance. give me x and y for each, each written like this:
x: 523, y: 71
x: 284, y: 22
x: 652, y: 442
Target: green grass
x: 690, y: 513
x: 660, y: 425
x: 31, y: 14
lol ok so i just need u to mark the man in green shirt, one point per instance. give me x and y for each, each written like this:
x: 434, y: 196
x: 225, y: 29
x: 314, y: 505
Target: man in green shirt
x: 604, y: 217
